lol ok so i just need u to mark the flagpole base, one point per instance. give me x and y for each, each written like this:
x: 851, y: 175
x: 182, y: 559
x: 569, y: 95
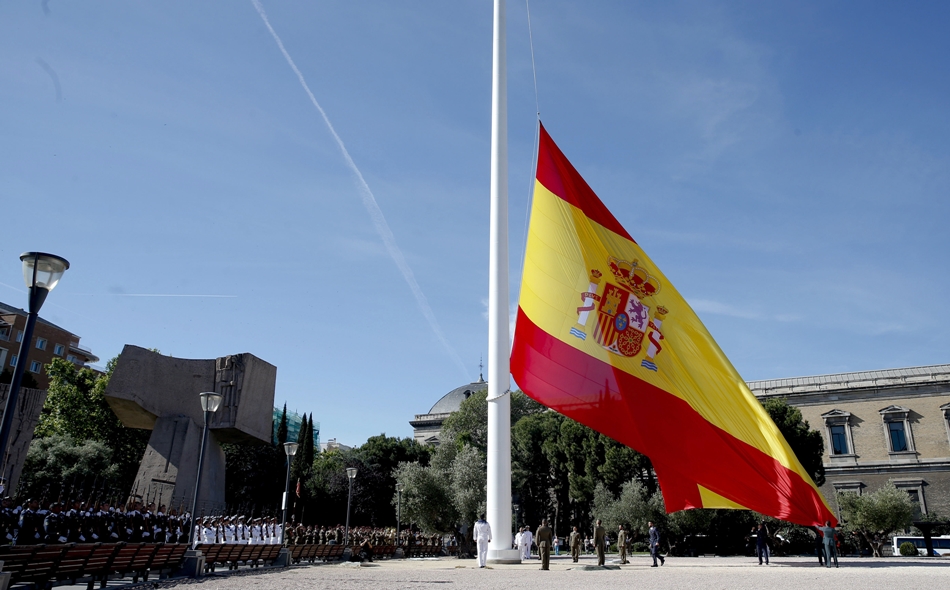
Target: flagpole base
x: 504, y: 556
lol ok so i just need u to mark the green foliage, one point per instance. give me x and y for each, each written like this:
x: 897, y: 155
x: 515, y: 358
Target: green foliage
x: 255, y: 477
x: 282, y: 428
x: 59, y: 466
x: 908, y: 549
x: 427, y: 500
x: 76, y: 407
x: 633, y: 508
x: 327, y: 487
x: 942, y: 528
x: 876, y: 515
x: 805, y: 442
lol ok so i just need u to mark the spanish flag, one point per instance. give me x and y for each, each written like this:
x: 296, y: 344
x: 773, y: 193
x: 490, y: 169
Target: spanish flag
x: 603, y: 337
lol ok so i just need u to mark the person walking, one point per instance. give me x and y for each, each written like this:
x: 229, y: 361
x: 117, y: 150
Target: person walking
x: 762, y: 544
x: 545, y: 539
x: 828, y: 544
x: 622, y: 544
x: 526, y: 539
x: 599, y: 542
x: 575, y: 542
x: 655, y: 545
x: 482, y: 533
x: 557, y: 545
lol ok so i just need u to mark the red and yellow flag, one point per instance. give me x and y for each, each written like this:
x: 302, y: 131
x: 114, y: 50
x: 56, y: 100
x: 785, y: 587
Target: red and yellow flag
x: 604, y: 338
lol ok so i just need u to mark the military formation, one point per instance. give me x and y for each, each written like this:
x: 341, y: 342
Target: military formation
x: 545, y: 540
x: 90, y: 522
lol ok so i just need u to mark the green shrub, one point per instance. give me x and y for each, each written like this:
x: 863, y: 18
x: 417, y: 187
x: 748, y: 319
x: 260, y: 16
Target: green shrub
x: 908, y: 549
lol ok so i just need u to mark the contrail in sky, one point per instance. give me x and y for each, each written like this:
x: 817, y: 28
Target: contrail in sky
x: 369, y: 201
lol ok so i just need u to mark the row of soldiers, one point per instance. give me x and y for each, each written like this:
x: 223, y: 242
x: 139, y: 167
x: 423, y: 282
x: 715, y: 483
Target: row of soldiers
x: 79, y: 522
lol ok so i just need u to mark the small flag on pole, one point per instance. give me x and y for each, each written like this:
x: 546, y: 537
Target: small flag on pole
x: 603, y: 337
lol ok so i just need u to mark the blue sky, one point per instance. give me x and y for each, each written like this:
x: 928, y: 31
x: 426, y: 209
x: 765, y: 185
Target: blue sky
x: 784, y: 163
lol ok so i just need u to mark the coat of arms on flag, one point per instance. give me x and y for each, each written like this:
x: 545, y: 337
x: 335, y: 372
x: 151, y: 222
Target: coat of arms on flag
x: 624, y: 318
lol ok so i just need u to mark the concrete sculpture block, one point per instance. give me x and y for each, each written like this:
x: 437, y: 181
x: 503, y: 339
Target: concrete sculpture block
x: 160, y: 393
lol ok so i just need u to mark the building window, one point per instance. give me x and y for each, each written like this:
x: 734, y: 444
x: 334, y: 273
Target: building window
x: 5, y: 332
x: 13, y: 360
x: 838, y: 433
x: 59, y: 349
x: 72, y: 359
x: 915, y: 490
x: 946, y: 418
x: 897, y: 429
x: 19, y: 335
x: 36, y: 366
x: 41, y: 343
x: 839, y: 440
x: 897, y: 436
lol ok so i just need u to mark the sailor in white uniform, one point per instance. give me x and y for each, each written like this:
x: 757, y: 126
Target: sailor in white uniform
x: 482, y: 538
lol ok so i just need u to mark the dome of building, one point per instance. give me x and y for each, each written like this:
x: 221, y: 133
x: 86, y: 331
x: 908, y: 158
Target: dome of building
x: 427, y: 427
x: 452, y: 401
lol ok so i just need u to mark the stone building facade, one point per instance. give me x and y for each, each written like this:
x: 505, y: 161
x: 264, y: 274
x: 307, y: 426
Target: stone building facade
x: 427, y: 427
x: 878, y: 427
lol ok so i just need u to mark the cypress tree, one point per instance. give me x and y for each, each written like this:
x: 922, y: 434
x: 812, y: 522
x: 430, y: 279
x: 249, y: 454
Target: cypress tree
x: 282, y: 428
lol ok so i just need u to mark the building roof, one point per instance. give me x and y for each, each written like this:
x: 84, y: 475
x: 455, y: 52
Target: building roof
x: 452, y: 401
x: 856, y: 380
x: 6, y: 309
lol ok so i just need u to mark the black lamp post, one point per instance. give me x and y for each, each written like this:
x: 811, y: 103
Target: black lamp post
x: 210, y: 401
x: 290, y: 449
x: 399, y: 488
x: 41, y: 272
x: 350, y: 473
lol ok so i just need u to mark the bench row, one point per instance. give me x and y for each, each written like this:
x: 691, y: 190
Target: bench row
x: 43, y: 565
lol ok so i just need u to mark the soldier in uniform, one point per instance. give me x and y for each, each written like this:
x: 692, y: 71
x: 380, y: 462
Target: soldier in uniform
x: 482, y: 539
x: 31, y: 525
x: 575, y: 543
x: 8, y: 523
x: 545, y: 538
x: 600, y: 542
x: 622, y: 544
x: 55, y: 525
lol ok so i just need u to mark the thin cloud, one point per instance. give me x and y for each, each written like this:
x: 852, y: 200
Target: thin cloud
x: 372, y: 207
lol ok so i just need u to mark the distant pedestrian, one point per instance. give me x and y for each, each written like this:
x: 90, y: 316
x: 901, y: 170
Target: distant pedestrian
x: 762, y: 543
x: 655, y: 545
x: 828, y: 542
x: 600, y: 542
x: 622, y: 544
x: 575, y: 542
x: 482, y: 534
x: 545, y: 539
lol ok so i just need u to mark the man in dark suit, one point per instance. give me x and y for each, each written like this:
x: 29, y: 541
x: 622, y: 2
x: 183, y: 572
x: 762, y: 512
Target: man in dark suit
x: 600, y: 542
x: 655, y: 545
x: 544, y: 537
x: 762, y: 544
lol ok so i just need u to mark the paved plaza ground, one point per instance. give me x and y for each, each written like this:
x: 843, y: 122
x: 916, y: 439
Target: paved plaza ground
x: 796, y: 573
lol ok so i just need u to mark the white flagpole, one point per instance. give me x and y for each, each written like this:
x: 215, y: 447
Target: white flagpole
x: 499, y: 376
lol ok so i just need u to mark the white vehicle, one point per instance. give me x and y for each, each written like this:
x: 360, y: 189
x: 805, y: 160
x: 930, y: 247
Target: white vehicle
x: 941, y: 544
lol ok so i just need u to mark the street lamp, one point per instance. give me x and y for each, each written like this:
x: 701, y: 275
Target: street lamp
x: 350, y: 473
x: 290, y: 449
x: 41, y: 273
x: 210, y: 401
x: 399, y: 488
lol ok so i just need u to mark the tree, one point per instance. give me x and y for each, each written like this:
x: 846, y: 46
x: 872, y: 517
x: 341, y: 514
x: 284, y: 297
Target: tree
x: 805, y: 442
x: 282, y: 427
x: 76, y: 407
x: 876, y: 515
x: 427, y: 499
x: 254, y: 477
x: 633, y: 508
x: 59, y: 466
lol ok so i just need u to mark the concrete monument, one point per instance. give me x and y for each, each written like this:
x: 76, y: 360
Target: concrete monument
x: 160, y: 393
